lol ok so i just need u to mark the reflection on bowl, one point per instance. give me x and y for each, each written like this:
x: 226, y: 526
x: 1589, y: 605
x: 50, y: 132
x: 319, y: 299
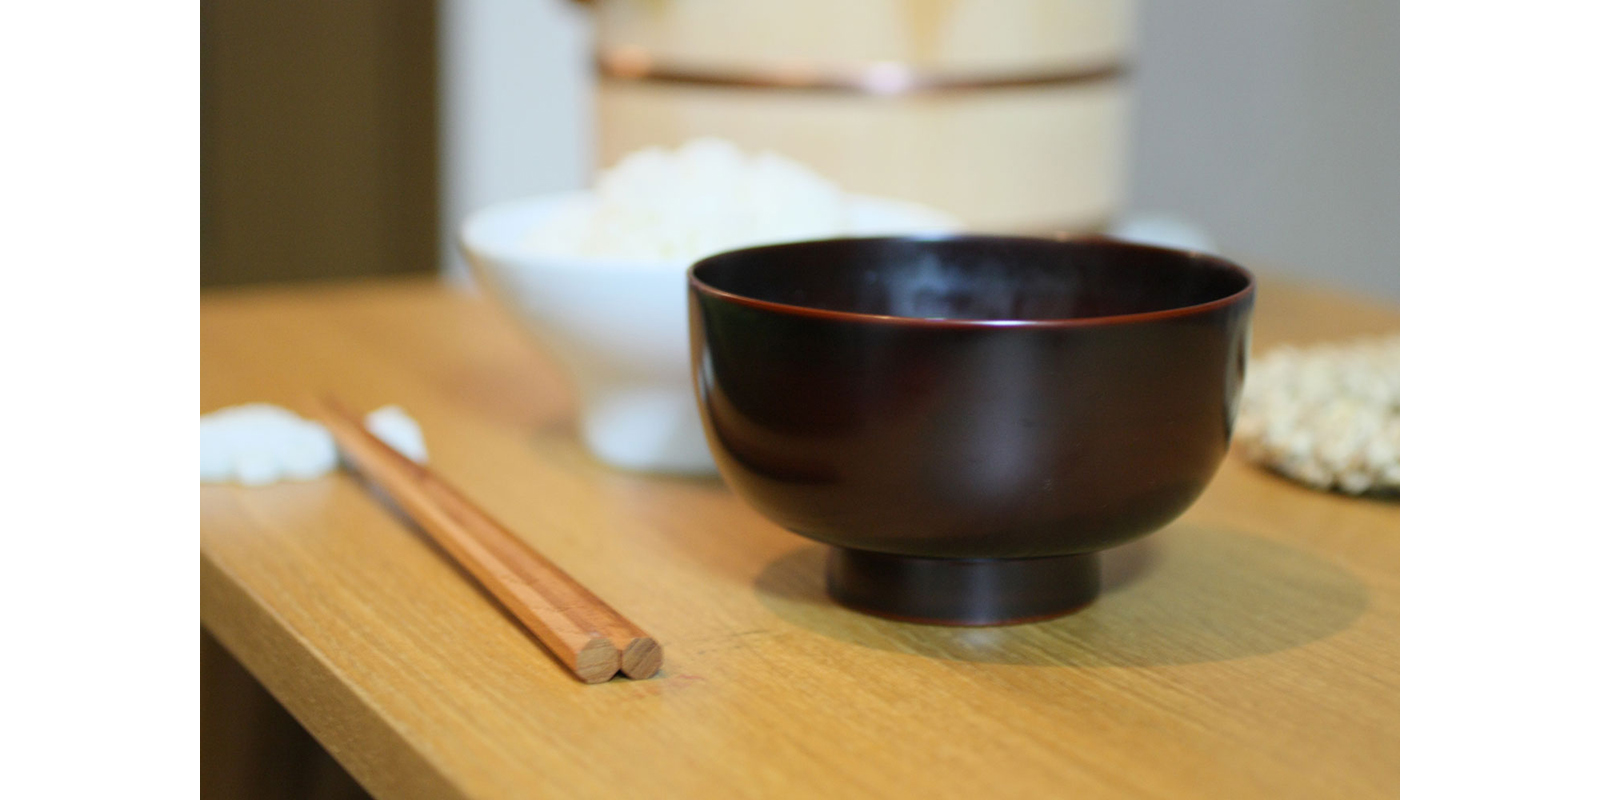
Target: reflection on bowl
x: 968, y: 420
x: 620, y: 327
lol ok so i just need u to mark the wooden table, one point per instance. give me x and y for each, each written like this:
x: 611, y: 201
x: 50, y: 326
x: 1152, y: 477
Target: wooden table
x: 1251, y: 649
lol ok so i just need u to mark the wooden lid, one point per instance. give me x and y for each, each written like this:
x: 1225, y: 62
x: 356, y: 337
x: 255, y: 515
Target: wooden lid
x: 980, y: 37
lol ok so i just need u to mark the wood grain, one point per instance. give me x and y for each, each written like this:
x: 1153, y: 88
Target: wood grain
x: 1251, y: 649
x: 1036, y: 158
x: 498, y: 554
x: 982, y: 36
x: 561, y: 614
x: 252, y: 748
x: 1040, y: 158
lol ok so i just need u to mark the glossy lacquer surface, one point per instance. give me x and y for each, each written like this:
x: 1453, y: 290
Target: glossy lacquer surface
x: 966, y: 403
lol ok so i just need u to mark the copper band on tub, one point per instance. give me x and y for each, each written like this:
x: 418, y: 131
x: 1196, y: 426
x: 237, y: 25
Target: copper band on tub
x: 881, y: 78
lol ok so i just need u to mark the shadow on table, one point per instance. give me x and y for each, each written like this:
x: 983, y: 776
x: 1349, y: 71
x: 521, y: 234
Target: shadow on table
x: 1186, y: 595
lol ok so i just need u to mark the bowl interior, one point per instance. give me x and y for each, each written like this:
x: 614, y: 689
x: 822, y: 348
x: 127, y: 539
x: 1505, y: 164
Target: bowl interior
x: 974, y: 277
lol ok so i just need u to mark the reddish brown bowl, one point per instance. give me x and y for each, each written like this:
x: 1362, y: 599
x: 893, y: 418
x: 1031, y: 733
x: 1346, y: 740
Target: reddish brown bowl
x: 968, y: 420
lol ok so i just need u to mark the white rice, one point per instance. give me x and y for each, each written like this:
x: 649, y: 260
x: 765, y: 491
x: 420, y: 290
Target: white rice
x: 707, y: 197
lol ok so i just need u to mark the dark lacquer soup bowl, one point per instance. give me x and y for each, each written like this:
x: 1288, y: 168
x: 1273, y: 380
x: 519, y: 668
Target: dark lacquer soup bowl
x: 968, y: 420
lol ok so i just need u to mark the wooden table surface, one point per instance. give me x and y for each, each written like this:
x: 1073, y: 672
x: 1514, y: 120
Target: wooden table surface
x: 1250, y: 649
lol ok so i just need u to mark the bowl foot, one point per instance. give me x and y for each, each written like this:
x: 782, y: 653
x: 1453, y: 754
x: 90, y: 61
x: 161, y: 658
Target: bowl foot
x: 646, y: 429
x: 962, y: 591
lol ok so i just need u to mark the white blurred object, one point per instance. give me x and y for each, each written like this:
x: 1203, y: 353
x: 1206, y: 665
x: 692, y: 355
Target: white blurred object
x: 707, y: 197
x: 1163, y: 230
x: 258, y: 443
x: 399, y: 431
x: 621, y: 325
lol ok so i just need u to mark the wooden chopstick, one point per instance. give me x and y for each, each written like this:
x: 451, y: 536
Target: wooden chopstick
x: 587, y: 635
x: 639, y: 653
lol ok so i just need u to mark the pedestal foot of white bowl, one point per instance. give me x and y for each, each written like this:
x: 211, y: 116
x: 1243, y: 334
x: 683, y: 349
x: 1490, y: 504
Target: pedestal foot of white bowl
x: 655, y: 429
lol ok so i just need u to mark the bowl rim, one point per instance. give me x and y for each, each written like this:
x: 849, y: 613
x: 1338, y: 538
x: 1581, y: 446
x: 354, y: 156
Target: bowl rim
x: 700, y: 286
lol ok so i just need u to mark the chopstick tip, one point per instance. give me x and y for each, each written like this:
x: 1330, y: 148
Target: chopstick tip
x: 641, y: 658
x: 597, y: 662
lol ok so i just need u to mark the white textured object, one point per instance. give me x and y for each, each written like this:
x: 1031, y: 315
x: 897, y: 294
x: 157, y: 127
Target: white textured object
x: 259, y: 443
x: 1327, y: 416
x: 707, y: 197
x: 621, y: 325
